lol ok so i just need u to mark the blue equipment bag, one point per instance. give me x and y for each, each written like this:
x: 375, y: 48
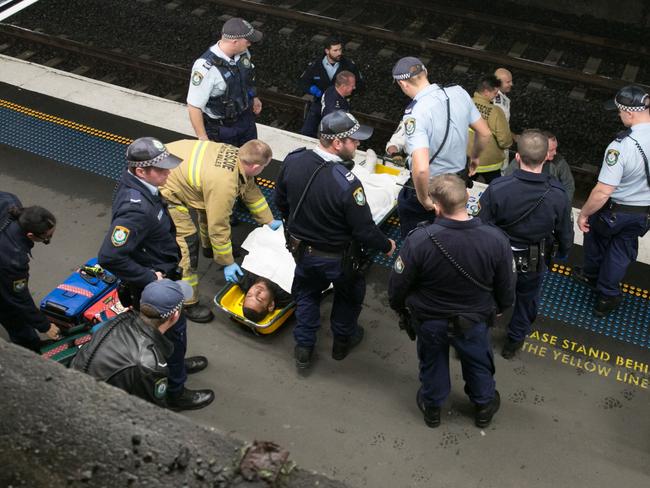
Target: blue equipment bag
x: 65, y: 305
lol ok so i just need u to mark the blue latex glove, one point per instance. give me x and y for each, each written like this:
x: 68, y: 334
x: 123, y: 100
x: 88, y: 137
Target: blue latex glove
x: 314, y: 90
x: 275, y: 224
x: 230, y: 273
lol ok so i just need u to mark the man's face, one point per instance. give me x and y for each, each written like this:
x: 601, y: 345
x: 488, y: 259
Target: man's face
x: 334, y: 53
x: 552, y: 149
x: 346, y: 148
x: 490, y: 94
x: 45, y: 238
x: 506, y: 83
x: 259, y: 298
x: 346, y: 90
x: 152, y: 175
x: 241, y: 45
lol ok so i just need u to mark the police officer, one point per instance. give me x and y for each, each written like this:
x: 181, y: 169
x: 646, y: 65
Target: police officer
x: 222, y: 99
x: 436, y: 124
x: 130, y: 351
x: 336, y: 97
x: 320, y: 75
x: 141, y: 248
x: 532, y: 209
x: 617, y: 211
x: 20, y: 228
x: 210, y: 178
x: 453, y: 276
x: 324, y: 209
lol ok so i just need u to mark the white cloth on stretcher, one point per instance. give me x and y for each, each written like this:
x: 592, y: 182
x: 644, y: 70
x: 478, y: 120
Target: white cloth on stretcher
x: 267, y: 255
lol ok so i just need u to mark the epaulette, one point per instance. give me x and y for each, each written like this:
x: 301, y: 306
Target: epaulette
x: 623, y: 134
x: 296, y: 151
x: 409, y: 107
x: 135, y: 196
x: 347, y: 174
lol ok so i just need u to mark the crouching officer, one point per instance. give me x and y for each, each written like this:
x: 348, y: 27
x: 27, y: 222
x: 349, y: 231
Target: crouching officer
x: 20, y: 228
x: 130, y: 351
x: 532, y: 208
x: 325, y: 210
x: 141, y: 248
x: 453, y: 276
x: 617, y: 211
x: 210, y: 178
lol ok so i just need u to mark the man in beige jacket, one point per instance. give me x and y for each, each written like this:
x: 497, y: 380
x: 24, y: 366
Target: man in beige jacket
x: 209, y: 180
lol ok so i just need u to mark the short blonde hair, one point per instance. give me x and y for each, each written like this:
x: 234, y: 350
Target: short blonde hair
x: 255, y: 152
x: 449, y: 192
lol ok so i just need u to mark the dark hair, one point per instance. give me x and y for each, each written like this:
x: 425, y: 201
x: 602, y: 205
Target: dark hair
x: 151, y: 316
x: 254, y: 315
x: 330, y: 41
x: 35, y: 219
x: 549, y: 134
x: 488, y: 82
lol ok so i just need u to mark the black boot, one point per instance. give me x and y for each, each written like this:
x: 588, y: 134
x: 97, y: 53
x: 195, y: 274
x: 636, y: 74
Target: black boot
x: 431, y: 414
x: 343, y: 345
x: 302, y: 355
x: 606, y: 304
x: 510, y: 348
x: 190, y: 399
x: 578, y: 274
x: 198, y: 313
x: 485, y: 411
x: 207, y: 252
x: 195, y: 364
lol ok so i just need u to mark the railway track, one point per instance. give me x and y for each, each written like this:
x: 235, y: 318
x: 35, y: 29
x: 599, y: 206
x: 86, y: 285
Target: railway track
x: 458, y: 37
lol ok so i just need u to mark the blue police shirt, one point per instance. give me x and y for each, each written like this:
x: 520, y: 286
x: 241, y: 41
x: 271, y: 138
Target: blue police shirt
x: 425, y: 122
x: 623, y: 167
x: 142, y: 238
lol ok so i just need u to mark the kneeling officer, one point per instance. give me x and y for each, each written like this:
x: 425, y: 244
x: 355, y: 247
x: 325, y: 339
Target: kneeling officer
x: 453, y: 276
x: 141, y: 248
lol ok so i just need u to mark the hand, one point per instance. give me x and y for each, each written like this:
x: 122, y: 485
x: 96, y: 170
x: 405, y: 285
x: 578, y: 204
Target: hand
x: 473, y: 166
x: 203, y: 138
x: 53, y: 332
x: 428, y: 204
x: 391, y: 151
x: 274, y: 224
x: 583, y: 223
x: 314, y: 90
x: 257, y: 106
x: 392, y: 248
x: 231, y: 271
x: 159, y: 275
x: 398, y: 160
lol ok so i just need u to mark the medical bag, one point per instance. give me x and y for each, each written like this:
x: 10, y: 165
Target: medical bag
x: 64, y: 350
x: 66, y: 304
x: 107, y: 307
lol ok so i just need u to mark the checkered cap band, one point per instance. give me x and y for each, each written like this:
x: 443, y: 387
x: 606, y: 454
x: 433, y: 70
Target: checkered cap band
x: 413, y: 70
x: 239, y: 36
x: 625, y: 108
x: 172, y: 311
x: 342, y: 135
x: 149, y: 162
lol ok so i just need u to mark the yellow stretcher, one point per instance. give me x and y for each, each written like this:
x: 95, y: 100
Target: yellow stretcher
x: 231, y: 298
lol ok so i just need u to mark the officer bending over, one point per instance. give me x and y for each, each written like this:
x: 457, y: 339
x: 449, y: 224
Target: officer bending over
x: 326, y: 216
x: 20, y: 228
x: 453, y: 276
x: 141, y: 248
x: 130, y: 351
x: 617, y: 211
x: 436, y: 124
x: 532, y: 208
x: 209, y: 179
x: 262, y: 296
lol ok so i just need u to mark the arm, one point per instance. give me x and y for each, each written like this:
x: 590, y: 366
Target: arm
x: 359, y: 218
x: 598, y: 197
x: 403, y: 278
x: 256, y: 203
x: 482, y: 137
x: 564, y: 230
x: 219, y: 194
x: 397, y: 141
x: 420, y: 175
x: 505, y: 277
x: 501, y: 129
x: 281, y: 198
x: 196, y: 119
x: 566, y: 177
x: 15, y: 291
x: 306, y: 78
x: 143, y: 383
x: 485, y: 207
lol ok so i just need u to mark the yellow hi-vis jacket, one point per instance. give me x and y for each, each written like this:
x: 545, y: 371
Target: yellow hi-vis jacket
x: 493, y: 155
x: 210, y: 178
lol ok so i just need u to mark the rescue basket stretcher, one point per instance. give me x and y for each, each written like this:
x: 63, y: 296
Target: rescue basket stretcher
x: 231, y: 297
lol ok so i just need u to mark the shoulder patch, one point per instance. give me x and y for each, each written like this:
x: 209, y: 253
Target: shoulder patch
x: 611, y: 158
x: 160, y: 388
x: 399, y: 265
x: 119, y: 236
x: 19, y: 285
x: 197, y: 78
x: 245, y: 61
x: 359, y: 196
x: 473, y: 206
x: 409, y: 126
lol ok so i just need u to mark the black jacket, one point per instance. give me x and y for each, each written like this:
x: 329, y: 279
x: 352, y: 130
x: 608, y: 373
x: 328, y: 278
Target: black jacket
x: 315, y: 74
x: 128, y: 354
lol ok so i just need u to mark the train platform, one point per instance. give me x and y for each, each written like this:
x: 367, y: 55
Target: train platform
x: 574, y: 401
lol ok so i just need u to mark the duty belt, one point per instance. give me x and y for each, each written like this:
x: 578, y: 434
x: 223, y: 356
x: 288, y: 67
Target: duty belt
x: 619, y: 207
x: 312, y: 251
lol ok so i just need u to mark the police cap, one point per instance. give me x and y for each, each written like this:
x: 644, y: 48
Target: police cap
x: 237, y: 28
x: 408, y: 67
x: 149, y: 151
x: 630, y: 98
x: 165, y: 296
x: 340, y: 124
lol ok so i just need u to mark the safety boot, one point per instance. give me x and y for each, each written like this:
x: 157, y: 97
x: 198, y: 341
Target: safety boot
x: 207, y: 252
x: 302, y: 355
x: 190, y: 399
x: 578, y: 274
x: 343, y: 345
x: 198, y: 313
x: 510, y: 348
x: 606, y: 304
x: 431, y: 414
x: 485, y: 411
x: 195, y: 364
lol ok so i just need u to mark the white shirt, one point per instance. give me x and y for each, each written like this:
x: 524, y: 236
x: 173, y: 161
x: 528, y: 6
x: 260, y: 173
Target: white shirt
x: 502, y: 101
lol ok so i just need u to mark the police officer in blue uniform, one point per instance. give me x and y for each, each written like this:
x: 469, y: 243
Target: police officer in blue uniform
x: 617, y: 211
x: 325, y: 212
x: 531, y: 207
x: 20, y: 228
x: 436, y: 123
x: 222, y: 99
x: 452, y: 277
x: 336, y: 97
x: 319, y: 76
x: 141, y: 248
